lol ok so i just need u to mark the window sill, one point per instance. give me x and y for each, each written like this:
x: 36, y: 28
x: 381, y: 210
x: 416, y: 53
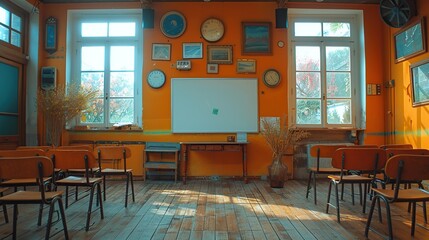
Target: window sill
x: 109, y: 129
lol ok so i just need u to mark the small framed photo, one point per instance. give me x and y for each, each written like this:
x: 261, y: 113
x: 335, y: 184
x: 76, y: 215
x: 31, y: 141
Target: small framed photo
x: 212, y: 68
x: 420, y: 83
x: 246, y: 66
x: 219, y: 54
x: 411, y: 41
x: 161, y: 51
x: 192, y: 50
x: 256, y: 38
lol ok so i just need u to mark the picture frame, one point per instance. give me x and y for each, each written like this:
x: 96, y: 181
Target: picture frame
x: 410, y: 41
x: 212, y: 68
x: 256, y: 38
x: 161, y: 51
x: 51, y: 35
x: 219, y: 54
x: 420, y: 83
x: 246, y: 66
x: 192, y: 50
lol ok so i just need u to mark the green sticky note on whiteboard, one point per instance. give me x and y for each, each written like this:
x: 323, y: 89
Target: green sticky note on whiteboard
x: 215, y: 111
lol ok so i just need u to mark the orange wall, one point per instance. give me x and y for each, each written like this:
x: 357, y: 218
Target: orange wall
x: 411, y: 124
x: 272, y: 101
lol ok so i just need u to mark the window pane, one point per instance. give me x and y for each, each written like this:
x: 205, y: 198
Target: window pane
x: 308, y: 29
x: 93, y: 81
x: 121, y: 110
x: 122, y: 58
x: 16, y: 39
x: 308, y: 84
x: 92, y: 59
x: 4, y: 16
x: 11, y: 125
x: 94, y: 29
x: 95, y: 112
x: 337, y: 58
x: 122, y: 29
x: 338, y: 84
x: 308, y: 111
x: 122, y: 84
x: 336, y: 29
x: 4, y: 34
x: 307, y: 58
x: 339, y: 111
x: 16, y: 22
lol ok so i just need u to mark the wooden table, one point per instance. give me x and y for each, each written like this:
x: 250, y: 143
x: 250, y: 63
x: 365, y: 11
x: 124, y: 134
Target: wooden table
x: 215, y: 146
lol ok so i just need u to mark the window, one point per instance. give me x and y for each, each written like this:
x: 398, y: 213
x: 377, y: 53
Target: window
x: 323, y: 72
x: 11, y: 26
x: 107, y: 57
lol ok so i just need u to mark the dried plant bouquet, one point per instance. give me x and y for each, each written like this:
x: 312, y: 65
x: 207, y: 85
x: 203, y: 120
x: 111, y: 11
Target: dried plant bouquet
x: 59, y: 106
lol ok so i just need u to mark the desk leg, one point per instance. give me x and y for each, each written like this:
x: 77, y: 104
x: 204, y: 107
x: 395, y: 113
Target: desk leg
x: 185, y: 160
x: 244, y: 149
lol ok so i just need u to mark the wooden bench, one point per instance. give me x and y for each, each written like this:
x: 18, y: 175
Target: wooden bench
x: 161, y: 148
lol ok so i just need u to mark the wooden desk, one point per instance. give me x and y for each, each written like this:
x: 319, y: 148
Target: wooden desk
x: 215, y: 146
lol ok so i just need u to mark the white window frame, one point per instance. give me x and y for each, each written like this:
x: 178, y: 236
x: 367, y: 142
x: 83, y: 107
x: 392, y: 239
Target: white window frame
x: 74, y: 39
x: 355, y: 41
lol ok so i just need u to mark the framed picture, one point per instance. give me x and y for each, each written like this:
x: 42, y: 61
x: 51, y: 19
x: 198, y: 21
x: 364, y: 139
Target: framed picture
x: 420, y: 83
x: 246, y: 66
x: 51, y: 35
x: 410, y: 41
x: 256, y: 38
x: 219, y: 54
x: 192, y: 50
x: 212, y: 68
x: 161, y: 51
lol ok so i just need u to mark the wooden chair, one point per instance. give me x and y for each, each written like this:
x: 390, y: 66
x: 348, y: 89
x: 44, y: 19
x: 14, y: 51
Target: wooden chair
x: 358, y: 160
x: 114, y: 153
x: 321, y: 151
x: 401, y: 168
x: 38, y: 167
x: 395, y: 146
x: 78, y: 159
x: 43, y: 148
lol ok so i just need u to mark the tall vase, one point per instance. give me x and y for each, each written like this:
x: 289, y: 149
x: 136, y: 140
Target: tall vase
x: 277, y: 172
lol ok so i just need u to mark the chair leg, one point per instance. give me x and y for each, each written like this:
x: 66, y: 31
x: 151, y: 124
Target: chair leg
x: 132, y: 186
x: 308, y: 183
x: 424, y: 212
x: 100, y: 200
x: 365, y: 185
x: 328, y: 202
x: 371, y: 211
x: 126, y: 190
x: 338, y: 202
x: 39, y: 219
x: 48, y: 226
x: 353, y: 194
x: 104, y: 187
x: 15, y: 220
x: 67, y: 196
x: 314, y: 188
x: 63, y: 218
x: 342, y: 191
x: 6, y: 217
x: 76, y: 193
x: 413, y: 218
x: 88, y: 216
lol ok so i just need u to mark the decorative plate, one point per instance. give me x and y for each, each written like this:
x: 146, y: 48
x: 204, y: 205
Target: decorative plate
x: 173, y: 24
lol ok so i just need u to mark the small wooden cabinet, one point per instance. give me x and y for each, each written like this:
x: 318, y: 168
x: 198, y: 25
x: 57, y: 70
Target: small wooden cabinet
x: 161, y: 156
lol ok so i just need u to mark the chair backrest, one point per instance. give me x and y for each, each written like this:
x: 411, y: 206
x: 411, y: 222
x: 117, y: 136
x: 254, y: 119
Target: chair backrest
x: 112, y: 153
x: 22, y: 153
x: 413, y: 167
x: 44, y: 148
x: 388, y: 146
x: 415, y: 151
x: 363, y: 146
x: 360, y: 159
x: 25, y: 167
x: 77, y: 147
x: 72, y: 159
x: 324, y: 150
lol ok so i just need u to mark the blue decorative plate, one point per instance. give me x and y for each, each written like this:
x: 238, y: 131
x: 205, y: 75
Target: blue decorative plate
x: 173, y: 24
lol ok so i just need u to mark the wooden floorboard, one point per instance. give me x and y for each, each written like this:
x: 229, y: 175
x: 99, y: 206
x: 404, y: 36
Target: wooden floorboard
x: 224, y: 209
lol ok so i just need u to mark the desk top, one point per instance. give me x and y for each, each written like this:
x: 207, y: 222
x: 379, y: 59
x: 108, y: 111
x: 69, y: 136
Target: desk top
x: 214, y: 143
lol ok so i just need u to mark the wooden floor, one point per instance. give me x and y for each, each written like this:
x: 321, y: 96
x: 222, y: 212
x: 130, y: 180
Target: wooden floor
x: 205, y: 209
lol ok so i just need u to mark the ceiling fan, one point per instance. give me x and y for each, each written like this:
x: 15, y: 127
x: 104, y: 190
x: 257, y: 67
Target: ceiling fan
x: 397, y: 13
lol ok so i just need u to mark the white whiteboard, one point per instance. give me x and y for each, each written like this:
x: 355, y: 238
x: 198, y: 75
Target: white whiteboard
x: 214, y: 105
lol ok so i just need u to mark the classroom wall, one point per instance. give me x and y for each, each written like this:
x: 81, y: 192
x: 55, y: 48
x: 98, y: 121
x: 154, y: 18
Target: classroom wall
x: 272, y: 101
x: 410, y: 123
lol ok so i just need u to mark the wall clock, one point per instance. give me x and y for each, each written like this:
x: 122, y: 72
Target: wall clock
x: 271, y: 78
x: 397, y: 13
x: 156, y: 78
x: 173, y: 24
x: 212, y: 30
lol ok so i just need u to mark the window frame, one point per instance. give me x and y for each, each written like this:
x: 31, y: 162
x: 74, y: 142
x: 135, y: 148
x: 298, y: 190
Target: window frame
x: 76, y: 18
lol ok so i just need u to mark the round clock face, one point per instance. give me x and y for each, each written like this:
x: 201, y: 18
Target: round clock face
x: 173, y: 24
x: 156, y: 78
x: 212, y: 30
x: 271, y: 78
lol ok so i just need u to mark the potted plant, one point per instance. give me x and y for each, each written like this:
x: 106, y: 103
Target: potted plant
x: 279, y: 138
x: 60, y: 105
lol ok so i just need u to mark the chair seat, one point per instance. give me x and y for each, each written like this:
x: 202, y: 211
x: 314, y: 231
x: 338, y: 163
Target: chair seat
x: 29, y: 196
x: 23, y: 181
x: 350, y: 178
x: 73, y: 180
x: 405, y: 195
x: 115, y: 171
x: 82, y: 170
x: 330, y: 170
